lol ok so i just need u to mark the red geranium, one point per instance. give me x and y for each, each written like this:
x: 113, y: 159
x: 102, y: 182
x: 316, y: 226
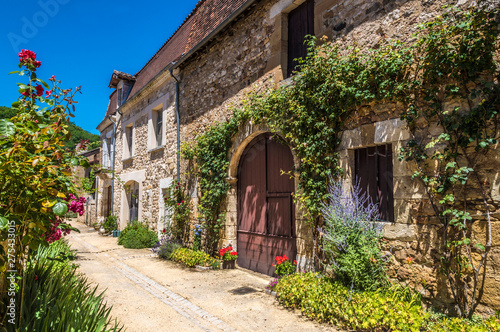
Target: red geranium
x: 228, y: 253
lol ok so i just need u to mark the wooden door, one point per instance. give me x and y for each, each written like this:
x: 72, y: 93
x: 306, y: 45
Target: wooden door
x: 133, y: 200
x: 266, y: 220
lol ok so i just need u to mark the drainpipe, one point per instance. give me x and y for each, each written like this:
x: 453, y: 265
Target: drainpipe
x: 178, y: 123
x: 113, y: 143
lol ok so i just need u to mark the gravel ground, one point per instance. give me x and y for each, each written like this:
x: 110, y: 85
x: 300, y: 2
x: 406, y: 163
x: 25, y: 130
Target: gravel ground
x: 150, y: 294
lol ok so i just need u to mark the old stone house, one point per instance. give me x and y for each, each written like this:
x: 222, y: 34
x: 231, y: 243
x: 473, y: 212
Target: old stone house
x: 223, y: 50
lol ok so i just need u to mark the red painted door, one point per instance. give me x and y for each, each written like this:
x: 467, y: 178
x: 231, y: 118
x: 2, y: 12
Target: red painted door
x: 266, y: 221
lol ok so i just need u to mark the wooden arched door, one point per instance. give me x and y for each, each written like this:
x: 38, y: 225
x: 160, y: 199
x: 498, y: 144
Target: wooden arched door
x: 266, y: 218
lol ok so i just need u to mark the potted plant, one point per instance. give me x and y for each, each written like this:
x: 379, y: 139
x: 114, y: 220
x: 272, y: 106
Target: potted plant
x: 111, y: 225
x: 229, y: 257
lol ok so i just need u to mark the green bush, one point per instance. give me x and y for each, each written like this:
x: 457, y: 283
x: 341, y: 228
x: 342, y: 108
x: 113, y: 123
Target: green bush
x: 191, y: 258
x: 137, y: 236
x: 329, y: 301
x: 111, y: 223
x: 55, y: 298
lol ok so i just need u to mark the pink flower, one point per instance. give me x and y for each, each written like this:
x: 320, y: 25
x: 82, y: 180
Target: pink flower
x: 52, y: 78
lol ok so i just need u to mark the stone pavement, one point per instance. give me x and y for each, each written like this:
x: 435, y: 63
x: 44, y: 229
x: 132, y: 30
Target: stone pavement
x: 150, y: 294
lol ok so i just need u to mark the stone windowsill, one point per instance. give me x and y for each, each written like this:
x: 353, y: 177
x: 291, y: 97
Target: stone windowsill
x: 161, y: 147
x: 128, y: 159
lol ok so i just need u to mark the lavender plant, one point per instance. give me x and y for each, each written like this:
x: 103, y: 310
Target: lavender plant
x: 167, y: 244
x: 352, y: 237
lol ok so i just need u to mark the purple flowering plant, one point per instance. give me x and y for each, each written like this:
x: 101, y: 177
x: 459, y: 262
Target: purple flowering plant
x: 352, y: 237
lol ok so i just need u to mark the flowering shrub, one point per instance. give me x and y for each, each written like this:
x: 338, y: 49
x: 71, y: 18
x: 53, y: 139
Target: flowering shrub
x: 179, y: 209
x: 283, y: 266
x: 165, y: 247
x: 228, y: 254
x: 76, y: 205
x: 35, y: 168
x: 58, y: 229
x: 351, y: 237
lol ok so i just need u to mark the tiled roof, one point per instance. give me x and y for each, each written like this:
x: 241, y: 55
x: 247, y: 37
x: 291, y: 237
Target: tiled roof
x: 112, y: 104
x: 119, y: 75
x: 205, y: 17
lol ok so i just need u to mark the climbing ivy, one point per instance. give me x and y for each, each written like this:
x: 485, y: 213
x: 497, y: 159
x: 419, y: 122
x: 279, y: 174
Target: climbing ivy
x: 455, y: 87
x: 210, y: 153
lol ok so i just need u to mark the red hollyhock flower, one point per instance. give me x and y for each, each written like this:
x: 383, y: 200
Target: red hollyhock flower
x: 48, y: 92
x: 25, y: 55
x: 52, y: 78
x: 39, y: 90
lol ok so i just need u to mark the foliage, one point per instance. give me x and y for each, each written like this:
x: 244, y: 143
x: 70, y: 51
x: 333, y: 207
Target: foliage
x: 352, y: 238
x: 228, y: 254
x: 210, y: 153
x: 326, y: 300
x: 87, y: 183
x: 178, y: 203
x: 283, y: 266
x: 166, y: 245
x: 55, y: 298
x: 111, y: 223
x: 191, y: 258
x: 197, y: 237
x: 77, y: 133
x: 137, y: 236
x: 441, y: 323
x: 35, y: 168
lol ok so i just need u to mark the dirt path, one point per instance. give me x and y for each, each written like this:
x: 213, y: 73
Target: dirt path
x: 149, y: 294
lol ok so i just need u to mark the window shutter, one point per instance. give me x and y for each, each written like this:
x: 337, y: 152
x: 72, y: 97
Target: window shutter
x: 300, y: 24
x: 373, y: 172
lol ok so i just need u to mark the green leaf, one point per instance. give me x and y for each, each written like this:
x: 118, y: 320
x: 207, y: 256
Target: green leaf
x: 479, y: 246
x: 4, y: 224
x: 7, y: 128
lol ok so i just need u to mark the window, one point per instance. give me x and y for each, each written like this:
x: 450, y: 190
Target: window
x: 129, y: 138
x: 159, y: 127
x: 300, y: 24
x: 373, y: 171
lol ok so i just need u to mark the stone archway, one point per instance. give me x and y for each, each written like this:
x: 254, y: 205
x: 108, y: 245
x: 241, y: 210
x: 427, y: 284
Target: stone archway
x: 265, y: 209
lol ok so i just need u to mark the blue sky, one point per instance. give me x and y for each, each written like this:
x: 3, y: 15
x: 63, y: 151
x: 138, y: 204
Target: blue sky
x: 81, y: 42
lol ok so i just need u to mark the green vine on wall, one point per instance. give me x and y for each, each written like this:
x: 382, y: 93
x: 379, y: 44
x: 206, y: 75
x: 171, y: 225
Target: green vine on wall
x: 452, y: 59
x: 455, y: 86
x: 210, y: 153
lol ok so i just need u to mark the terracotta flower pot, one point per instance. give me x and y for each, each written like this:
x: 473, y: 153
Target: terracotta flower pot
x: 228, y: 264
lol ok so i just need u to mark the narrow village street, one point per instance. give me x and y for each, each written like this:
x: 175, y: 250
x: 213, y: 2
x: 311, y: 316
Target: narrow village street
x: 149, y: 294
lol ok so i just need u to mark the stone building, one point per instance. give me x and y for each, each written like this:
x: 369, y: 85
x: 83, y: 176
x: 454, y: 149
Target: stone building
x: 222, y: 51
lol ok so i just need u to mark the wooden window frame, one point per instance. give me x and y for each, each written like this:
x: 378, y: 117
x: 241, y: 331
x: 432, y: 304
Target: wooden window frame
x: 373, y: 170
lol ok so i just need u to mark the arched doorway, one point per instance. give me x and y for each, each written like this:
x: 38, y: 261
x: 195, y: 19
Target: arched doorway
x: 266, y: 218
